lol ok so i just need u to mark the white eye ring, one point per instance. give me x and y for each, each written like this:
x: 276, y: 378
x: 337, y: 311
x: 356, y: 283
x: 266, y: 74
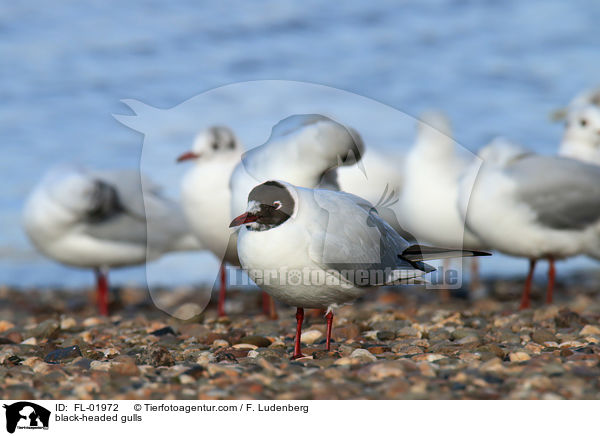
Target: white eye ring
x: 277, y: 204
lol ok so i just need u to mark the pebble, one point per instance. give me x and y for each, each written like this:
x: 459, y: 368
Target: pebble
x: 124, y: 365
x: 48, y: 329
x: 220, y: 343
x: 5, y: 325
x: 410, y: 347
x: 68, y: 323
x: 386, y: 335
x: 92, y: 322
x: 542, y: 335
x: 590, y: 330
x: 310, y: 336
x: 62, y: 355
x: 258, y: 341
x: 518, y: 356
x: 29, y: 341
x: 363, y: 355
x: 157, y: 356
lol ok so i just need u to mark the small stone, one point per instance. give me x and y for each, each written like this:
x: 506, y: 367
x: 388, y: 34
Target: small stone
x: 92, y: 322
x: 362, y: 355
x: 81, y: 362
x: 386, y: 335
x: 111, y: 352
x: 63, y: 355
x: 347, y: 331
x: 492, y: 348
x: 157, y: 356
x: 220, y: 343
x: 68, y: 323
x: 48, y: 329
x: 408, y: 332
x: 5, y: 325
x: 16, y: 337
x: 542, y: 335
x: 470, y: 339
x: 344, y: 361
x: 195, y: 371
x: 41, y: 367
x: 124, y: 365
x: 186, y: 379
x: 463, y: 333
x: 30, y: 341
x: 252, y: 354
x: 310, y: 336
x: 379, y: 349
x: 259, y: 341
x: 97, y: 365
x: 225, y: 356
x: 426, y: 369
x: 163, y: 331
x: 385, y: 369
x: 590, y: 330
x: 245, y: 346
x: 567, y: 318
x: 518, y: 356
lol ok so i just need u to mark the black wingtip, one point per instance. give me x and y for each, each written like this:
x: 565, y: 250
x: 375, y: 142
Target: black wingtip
x: 480, y: 253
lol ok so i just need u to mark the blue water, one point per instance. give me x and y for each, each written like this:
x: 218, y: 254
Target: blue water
x: 494, y: 67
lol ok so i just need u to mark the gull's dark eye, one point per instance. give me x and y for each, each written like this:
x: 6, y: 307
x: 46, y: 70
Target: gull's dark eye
x: 277, y: 205
x: 583, y: 122
x: 215, y: 145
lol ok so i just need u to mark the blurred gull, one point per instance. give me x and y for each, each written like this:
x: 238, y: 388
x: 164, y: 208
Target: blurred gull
x: 428, y: 203
x: 533, y: 206
x: 581, y: 139
x: 206, y: 197
x: 316, y: 248
x: 101, y: 220
x: 585, y: 98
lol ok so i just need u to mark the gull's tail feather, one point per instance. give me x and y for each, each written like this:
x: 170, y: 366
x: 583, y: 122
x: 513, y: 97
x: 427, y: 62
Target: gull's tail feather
x: 420, y: 253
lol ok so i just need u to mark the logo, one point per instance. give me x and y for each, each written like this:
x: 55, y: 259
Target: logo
x: 26, y: 415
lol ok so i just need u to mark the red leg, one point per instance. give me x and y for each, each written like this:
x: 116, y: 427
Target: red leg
x: 527, y: 291
x: 268, y: 306
x: 551, y: 276
x: 475, y: 279
x: 222, y: 291
x: 272, y: 309
x: 102, y: 291
x: 329, y: 318
x: 299, y: 319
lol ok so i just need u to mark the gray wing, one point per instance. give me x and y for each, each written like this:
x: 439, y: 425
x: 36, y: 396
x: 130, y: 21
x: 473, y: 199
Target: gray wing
x: 350, y: 236
x: 564, y: 193
x: 130, y: 213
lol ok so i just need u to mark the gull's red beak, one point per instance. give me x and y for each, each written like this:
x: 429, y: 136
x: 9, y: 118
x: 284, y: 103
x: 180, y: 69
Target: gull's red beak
x: 188, y: 156
x: 243, y: 219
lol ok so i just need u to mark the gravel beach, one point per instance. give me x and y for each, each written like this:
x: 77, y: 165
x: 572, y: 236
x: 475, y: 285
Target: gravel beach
x: 401, y: 343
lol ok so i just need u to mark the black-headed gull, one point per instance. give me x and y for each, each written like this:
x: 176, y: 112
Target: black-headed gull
x: 533, y: 206
x: 317, y: 248
x: 206, y: 198
x: 581, y: 138
x: 587, y: 97
x: 101, y: 220
x: 303, y: 149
